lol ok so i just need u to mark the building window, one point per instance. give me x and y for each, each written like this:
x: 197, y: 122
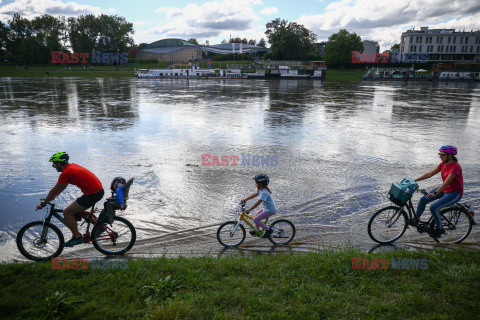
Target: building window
x: 411, y: 39
x: 448, y: 40
x: 471, y: 49
x: 420, y: 48
x: 461, y: 40
x: 454, y: 39
x: 478, y: 49
x: 466, y: 40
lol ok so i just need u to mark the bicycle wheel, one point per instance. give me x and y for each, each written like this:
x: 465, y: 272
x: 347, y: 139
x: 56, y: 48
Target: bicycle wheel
x: 116, y: 239
x: 230, y: 234
x: 40, y: 241
x: 387, y: 224
x: 283, y: 232
x: 457, y: 224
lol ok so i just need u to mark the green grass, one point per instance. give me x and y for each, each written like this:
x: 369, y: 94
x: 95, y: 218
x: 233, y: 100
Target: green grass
x: 98, y: 71
x: 58, y: 71
x: 344, y: 75
x: 318, y: 285
x: 128, y: 71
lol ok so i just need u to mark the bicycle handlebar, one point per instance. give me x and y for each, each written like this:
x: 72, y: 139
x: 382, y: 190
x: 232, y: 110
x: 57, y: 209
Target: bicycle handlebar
x: 423, y: 191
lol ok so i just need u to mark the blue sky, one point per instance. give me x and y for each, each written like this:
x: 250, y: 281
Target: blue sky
x: 217, y: 20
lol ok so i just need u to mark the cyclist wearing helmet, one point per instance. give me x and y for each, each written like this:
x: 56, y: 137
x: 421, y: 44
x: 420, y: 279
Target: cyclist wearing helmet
x: 261, y: 182
x: 88, y: 183
x: 450, y: 192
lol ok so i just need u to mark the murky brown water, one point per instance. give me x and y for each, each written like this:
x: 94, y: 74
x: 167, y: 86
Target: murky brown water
x: 338, y: 146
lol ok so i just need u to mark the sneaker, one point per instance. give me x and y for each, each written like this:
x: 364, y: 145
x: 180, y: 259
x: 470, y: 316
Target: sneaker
x: 267, y: 233
x: 438, y: 232
x: 74, y: 241
x: 253, y: 233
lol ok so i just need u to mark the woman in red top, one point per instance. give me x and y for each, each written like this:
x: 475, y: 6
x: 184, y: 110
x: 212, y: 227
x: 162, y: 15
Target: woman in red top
x: 88, y: 183
x: 450, y: 192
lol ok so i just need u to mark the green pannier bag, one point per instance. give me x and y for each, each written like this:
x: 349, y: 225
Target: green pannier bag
x: 401, y: 192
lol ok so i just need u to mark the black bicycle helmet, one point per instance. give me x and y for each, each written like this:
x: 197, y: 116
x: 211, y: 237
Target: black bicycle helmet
x: 262, y: 179
x: 121, y: 179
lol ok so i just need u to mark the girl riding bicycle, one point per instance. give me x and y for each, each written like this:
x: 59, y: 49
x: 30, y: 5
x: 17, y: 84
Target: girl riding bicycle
x: 450, y: 192
x: 261, y: 182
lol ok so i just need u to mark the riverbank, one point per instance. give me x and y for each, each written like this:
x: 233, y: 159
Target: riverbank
x: 321, y: 285
x: 129, y: 71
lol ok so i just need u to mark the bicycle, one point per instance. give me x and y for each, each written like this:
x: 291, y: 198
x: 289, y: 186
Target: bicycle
x: 232, y: 233
x: 42, y: 240
x: 390, y: 223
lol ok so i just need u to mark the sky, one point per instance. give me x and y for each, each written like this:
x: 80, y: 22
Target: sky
x: 217, y: 20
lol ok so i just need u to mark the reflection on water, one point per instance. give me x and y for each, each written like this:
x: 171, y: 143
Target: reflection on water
x: 339, y: 147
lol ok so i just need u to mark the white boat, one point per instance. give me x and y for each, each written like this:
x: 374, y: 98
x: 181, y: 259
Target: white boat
x: 464, y: 75
x: 191, y: 72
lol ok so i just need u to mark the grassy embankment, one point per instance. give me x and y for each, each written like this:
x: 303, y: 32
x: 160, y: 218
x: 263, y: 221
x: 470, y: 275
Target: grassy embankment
x: 128, y: 71
x: 318, y: 285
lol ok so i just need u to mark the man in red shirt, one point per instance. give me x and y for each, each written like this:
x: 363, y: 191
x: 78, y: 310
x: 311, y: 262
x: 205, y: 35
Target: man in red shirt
x: 88, y: 183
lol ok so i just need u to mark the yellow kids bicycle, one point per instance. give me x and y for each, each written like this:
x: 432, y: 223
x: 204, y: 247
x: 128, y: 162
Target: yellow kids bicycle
x: 232, y: 233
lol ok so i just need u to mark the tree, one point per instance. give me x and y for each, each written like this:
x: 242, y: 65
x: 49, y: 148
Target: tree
x: 193, y: 40
x: 262, y: 43
x: 4, y: 31
x: 49, y: 33
x: 103, y: 33
x: 339, y: 47
x: 115, y: 34
x: 83, y: 33
x: 20, y: 29
x: 289, y: 40
x: 395, y: 47
x: 252, y: 42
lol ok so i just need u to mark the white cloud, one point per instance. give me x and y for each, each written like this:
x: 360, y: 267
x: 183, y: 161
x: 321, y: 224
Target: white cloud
x: 385, y: 21
x: 32, y: 8
x: 208, y: 20
x: 140, y: 23
x: 269, y: 11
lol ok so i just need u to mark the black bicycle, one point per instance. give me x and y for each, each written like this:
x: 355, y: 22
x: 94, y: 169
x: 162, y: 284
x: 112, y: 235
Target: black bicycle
x: 389, y: 224
x: 42, y: 240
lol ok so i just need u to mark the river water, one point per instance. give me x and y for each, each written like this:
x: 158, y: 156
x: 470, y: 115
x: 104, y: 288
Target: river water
x: 331, y: 149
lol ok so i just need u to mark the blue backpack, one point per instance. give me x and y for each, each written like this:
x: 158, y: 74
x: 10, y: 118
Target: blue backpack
x: 401, y: 192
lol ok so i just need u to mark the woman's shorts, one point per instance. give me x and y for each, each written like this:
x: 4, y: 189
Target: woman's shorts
x: 89, y: 200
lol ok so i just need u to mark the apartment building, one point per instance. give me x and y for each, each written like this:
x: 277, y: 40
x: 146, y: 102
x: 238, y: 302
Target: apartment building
x: 439, y: 45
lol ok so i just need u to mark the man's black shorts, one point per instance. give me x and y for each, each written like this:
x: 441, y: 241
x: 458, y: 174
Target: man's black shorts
x: 88, y: 201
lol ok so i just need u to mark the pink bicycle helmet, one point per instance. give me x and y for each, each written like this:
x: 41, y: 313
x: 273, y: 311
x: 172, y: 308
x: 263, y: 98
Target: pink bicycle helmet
x: 448, y: 149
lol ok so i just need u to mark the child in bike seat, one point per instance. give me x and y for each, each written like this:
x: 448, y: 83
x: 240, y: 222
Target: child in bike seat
x: 116, y: 201
x: 261, y: 182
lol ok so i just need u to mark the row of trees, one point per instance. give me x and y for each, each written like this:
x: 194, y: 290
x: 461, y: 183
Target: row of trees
x: 31, y: 41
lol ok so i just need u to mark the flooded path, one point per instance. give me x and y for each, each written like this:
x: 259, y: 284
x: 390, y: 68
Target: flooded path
x: 331, y: 150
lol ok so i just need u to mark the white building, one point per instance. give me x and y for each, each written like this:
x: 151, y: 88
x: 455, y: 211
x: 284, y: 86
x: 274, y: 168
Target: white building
x: 439, y: 45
